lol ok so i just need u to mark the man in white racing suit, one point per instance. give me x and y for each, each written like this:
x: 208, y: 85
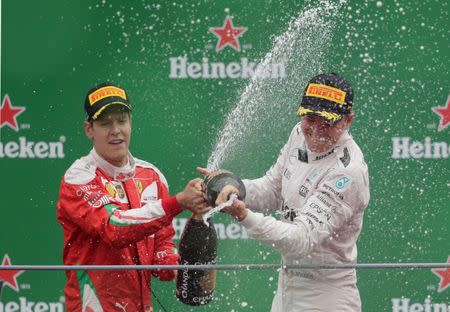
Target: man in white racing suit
x: 320, y: 185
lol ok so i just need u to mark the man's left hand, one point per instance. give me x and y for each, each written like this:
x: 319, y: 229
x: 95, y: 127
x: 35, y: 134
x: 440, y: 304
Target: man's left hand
x: 225, y: 193
x: 237, y: 210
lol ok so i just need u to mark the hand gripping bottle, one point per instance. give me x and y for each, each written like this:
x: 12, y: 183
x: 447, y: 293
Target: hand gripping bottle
x: 216, y: 180
x: 198, y: 245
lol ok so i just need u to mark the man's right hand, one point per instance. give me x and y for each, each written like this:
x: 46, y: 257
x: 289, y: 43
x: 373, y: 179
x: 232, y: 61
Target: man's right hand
x: 192, y: 198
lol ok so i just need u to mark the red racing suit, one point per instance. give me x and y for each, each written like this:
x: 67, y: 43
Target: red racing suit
x: 115, y: 216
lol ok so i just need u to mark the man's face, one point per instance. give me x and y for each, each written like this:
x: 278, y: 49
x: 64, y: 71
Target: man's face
x: 319, y: 134
x: 110, y: 134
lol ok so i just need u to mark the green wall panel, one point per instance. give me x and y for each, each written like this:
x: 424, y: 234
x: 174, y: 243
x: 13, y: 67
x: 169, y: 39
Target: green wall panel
x: 394, y: 52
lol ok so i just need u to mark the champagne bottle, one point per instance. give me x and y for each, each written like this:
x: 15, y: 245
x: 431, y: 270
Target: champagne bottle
x: 216, y: 180
x: 198, y: 245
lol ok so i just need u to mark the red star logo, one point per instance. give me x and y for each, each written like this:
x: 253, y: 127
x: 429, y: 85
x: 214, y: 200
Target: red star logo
x: 228, y: 35
x: 9, y: 113
x: 9, y: 277
x: 444, y: 275
x: 444, y: 114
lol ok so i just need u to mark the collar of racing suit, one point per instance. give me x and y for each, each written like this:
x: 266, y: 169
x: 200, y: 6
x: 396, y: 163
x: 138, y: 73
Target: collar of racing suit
x: 312, y: 156
x: 117, y: 173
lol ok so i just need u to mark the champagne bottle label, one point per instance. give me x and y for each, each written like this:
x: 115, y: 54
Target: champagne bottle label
x: 198, y: 245
x: 196, y: 287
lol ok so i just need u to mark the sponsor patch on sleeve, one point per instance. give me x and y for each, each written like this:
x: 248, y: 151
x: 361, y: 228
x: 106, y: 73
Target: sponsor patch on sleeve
x: 342, y: 182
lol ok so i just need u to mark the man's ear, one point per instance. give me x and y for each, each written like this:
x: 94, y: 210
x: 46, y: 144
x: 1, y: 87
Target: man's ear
x: 88, y: 129
x: 349, y: 119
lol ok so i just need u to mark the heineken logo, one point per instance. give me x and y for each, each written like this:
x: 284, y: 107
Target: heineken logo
x: 232, y: 231
x: 228, y: 35
x: 24, y: 304
x: 407, y: 305
x: 444, y: 277
x: 444, y: 115
x: 9, y: 277
x: 9, y: 114
x: 24, y: 147
x: 182, y: 67
x: 406, y: 147
x: 31, y: 149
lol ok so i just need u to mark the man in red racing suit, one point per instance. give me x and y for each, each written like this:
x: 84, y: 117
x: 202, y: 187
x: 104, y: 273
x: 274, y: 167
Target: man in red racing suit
x: 117, y: 215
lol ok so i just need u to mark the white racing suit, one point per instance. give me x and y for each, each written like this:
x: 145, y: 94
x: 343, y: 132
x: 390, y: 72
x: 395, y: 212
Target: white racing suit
x: 321, y: 198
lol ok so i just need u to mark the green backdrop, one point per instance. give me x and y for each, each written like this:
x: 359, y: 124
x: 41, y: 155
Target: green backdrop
x: 395, y: 53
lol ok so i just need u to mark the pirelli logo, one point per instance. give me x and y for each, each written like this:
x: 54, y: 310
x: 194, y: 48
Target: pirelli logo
x: 105, y: 92
x: 326, y: 92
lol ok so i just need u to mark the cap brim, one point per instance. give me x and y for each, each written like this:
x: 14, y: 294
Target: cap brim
x: 102, y: 109
x: 330, y: 117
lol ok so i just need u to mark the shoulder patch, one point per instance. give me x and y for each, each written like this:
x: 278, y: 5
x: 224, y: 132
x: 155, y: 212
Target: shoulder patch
x: 345, y: 159
x: 143, y: 163
x: 81, y: 172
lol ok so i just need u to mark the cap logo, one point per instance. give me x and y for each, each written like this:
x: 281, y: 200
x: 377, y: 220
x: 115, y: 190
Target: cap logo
x: 326, y: 92
x: 105, y: 92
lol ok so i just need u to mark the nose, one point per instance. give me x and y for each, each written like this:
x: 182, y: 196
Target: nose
x: 115, y: 130
x: 313, y: 126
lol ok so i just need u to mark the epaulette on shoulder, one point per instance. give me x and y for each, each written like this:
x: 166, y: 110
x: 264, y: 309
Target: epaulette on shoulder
x: 81, y: 172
